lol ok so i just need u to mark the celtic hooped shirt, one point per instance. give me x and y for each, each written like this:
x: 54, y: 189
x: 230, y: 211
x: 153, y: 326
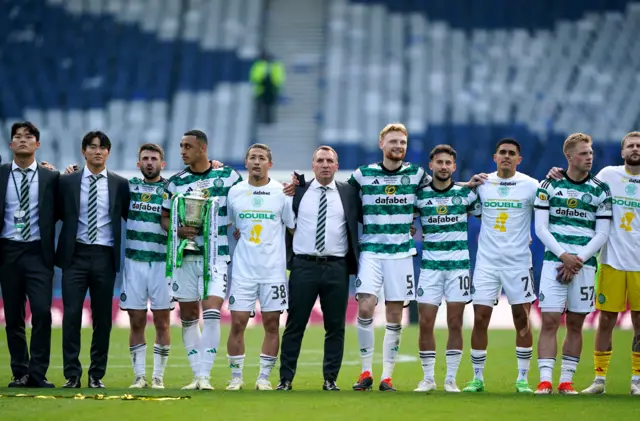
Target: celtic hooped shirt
x: 573, y: 209
x: 443, y: 216
x: 388, y: 204
x: 146, y: 239
x: 214, y: 183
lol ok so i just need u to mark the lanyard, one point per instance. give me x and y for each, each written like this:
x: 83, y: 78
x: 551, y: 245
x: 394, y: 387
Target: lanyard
x: 13, y: 177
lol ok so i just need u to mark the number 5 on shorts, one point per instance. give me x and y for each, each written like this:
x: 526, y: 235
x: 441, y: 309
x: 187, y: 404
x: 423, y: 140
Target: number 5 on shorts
x: 586, y: 293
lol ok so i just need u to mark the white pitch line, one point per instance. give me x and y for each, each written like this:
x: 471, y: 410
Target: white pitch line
x: 399, y: 360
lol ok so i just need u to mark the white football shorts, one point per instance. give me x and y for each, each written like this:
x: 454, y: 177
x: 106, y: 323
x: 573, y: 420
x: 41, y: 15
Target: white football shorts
x: 144, y: 283
x: 518, y: 286
x: 434, y: 285
x: 576, y: 297
x: 394, y: 275
x: 188, y: 281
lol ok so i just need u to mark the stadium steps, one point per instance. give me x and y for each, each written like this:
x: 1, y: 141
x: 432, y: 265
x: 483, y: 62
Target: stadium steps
x: 294, y: 34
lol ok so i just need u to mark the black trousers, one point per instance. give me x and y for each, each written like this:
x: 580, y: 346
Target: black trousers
x: 91, y: 269
x: 24, y: 274
x: 307, y: 281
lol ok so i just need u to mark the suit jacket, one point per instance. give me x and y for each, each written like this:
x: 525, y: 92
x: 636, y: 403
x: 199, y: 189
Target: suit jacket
x: 352, y: 205
x: 69, y: 214
x: 47, y: 196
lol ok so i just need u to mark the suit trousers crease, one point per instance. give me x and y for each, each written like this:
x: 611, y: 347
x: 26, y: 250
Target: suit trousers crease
x: 25, y: 275
x: 307, y: 281
x: 91, y: 270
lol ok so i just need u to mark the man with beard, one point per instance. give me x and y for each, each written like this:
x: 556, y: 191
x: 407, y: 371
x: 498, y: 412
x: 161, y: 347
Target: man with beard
x: 144, y: 267
x: 619, y: 272
x: 388, y: 190
x: 201, y: 278
x: 443, y: 207
x: 572, y: 220
x: 504, y: 260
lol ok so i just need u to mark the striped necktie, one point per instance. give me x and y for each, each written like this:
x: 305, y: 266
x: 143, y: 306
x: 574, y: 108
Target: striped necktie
x: 322, y: 220
x: 24, y: 204
x: 92, y: 208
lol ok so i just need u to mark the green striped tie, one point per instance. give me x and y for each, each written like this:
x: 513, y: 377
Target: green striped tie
x: 322, y: 219
x: 24, y: 203
x: 92, y: 208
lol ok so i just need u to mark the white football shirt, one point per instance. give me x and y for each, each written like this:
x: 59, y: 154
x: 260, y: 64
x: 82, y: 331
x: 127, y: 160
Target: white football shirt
x: 621, y: 249
x: 507, y: 206
x: 261, y: 214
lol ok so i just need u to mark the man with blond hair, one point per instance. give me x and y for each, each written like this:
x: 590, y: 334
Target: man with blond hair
x: 388, y: 190
x: 619, y: 273
x: 573, y: 217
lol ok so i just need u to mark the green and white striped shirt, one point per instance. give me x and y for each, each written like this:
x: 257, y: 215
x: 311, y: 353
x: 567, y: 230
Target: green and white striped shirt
x: 573, y: 209
x: 388, y: 203
x: 146, y: 240
x: 443, y: 217
x: 214, y: 183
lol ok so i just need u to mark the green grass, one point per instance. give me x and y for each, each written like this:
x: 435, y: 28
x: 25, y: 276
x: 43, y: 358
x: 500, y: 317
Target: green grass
x: 308, y: 402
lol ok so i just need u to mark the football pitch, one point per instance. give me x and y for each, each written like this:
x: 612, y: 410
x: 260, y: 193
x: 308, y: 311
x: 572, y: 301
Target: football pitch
x: 308, y: 402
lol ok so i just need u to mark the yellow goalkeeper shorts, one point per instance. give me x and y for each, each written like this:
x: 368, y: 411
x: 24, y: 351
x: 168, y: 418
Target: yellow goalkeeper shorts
x: 615, y: 288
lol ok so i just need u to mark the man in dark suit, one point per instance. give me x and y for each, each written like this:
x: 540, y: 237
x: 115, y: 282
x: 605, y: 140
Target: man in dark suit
x: 321, y: 255
x: 92, y: 203
x: 28, y: 193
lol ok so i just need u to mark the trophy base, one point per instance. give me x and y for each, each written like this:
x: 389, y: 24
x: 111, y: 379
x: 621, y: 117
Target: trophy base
x: 191, y: 245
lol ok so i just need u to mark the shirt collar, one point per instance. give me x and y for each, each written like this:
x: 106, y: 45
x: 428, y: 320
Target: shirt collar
x: 316, y: 185
x: 86, y: 173
x: 32, y: 167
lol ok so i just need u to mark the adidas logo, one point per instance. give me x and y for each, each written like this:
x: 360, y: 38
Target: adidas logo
x: 283, y: 302
x: 375, y: 181
x: 137, y: 188
x: 429, y: 203
x: 528, y: 295
x: 192, y: 352
x: 466, y: 294
x: 559, y: 194
x: 212, y: 351
x: 189, y: 190
x: 410, y: 292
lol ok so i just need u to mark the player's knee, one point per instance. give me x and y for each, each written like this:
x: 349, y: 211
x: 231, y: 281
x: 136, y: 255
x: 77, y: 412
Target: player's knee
x: 427, y: 323
x: 635, y: 320
x: 574, y: 322
x: 607, y: 321
x: 454, y: 323
x: 481, y: 318
x: 550, y: 321
x: 271, y: 326
x: 366, y: 305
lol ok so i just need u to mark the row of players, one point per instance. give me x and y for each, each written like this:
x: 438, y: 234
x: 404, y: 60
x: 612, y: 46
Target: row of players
x: 573, y: 213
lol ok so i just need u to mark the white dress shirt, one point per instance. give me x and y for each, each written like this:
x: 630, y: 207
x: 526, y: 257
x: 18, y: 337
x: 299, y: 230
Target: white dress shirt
x: 304, y: 239
x: 12, y: 203
x: 105, y: 232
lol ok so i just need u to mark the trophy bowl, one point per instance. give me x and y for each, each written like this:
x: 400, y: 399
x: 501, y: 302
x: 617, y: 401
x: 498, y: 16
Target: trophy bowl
x: 194, y: 204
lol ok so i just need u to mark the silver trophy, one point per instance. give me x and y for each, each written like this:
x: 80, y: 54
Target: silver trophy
x: 194, y: 203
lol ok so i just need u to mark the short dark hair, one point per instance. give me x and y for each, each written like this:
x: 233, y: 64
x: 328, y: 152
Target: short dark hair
x: 199, y: 135
x: 508, y: 141
x: 327, y: 149
x: 31, y: 129
x: 442, y: 149
x: 102, y: 137
x: 259, y: 146
x: 153, y: 148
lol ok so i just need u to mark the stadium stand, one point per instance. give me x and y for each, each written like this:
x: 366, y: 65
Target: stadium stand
x: 139, y: 70
x: 468, y: 73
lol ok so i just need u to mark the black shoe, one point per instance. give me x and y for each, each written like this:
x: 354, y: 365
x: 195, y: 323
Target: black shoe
x: 95, y: 383
x: 365, y: 381
x: 73, y: 382
x: 284, y: 385
x: 44, y: 383
x: 330, y: 385
x: 20, y: 381
x: 386, y: 386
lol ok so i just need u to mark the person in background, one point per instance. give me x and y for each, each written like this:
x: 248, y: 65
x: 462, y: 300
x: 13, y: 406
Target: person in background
x: 267, y: 76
